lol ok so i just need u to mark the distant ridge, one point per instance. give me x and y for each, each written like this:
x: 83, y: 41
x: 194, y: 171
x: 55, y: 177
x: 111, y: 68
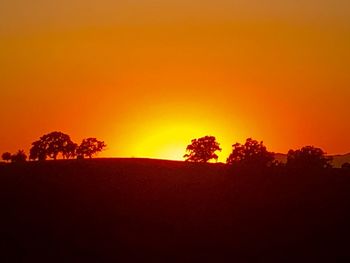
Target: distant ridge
x: 338, y: 160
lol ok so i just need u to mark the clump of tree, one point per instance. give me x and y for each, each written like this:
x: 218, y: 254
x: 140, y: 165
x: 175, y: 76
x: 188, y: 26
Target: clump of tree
x: 202, y: 150
x: 251, y: 154
x: 6, y: 156
x: 18, y: 157
x: 308, y: 157
x: 90, y: 147
x: 51, y: 145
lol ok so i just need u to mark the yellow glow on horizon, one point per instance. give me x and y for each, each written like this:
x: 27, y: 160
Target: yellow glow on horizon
x: 168, y: 139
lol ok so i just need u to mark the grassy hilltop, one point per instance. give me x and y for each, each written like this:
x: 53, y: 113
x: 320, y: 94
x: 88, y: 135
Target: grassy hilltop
x: 151, y: 210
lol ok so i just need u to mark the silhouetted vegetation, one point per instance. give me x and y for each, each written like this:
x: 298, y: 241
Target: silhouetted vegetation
x: 90, y: 147
x: 70, y: 150
x: 50, y: 145
x: 55, y: 143
x: 6, y: 156
x: 252, y: 154
x: 19, y: 157
x: 308, y: 157
x: 202, y: 150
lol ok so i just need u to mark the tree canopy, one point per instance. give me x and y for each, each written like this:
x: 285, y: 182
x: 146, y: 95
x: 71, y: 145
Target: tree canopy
x: 6, y: 156
x: 90, y: 147
x: 202, y: 150
x: 50, y: 145
x: 308, y: 157
x: 70, y: 150
x: 19, y: 157
x: 252, y: 154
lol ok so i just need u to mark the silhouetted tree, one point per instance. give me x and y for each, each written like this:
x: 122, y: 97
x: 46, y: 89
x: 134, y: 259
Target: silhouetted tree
x: 70, y: 151
x: 38, y: 151
x: 308, y: 157
x: 50, y: 145
x: 251, y: 154
x: 202, y: 150
x: 346, y: 166
x: 6, y: 156
x: 19, y: 157
x: 90, y: 147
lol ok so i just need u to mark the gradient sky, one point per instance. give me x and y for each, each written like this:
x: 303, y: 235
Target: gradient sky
x: 148, y: 76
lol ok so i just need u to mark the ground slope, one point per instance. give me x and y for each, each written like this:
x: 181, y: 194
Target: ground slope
x: 140, y: 210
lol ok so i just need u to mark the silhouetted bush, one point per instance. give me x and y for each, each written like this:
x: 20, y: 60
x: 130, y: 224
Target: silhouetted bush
x: 251, y: 154
x: 90, y: 147
x: 202, y: 150
x: 19, y: 157
x: 308, y: 157
x: 6, y: 156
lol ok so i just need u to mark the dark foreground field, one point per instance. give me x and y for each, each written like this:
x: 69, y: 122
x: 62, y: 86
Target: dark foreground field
x: 132, y: 210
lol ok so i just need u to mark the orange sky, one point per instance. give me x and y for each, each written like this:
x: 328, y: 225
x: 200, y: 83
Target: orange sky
x: 148, y: 76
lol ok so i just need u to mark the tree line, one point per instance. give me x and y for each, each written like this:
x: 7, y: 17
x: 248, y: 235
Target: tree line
x: 53, y: 144
x: 254, y: 154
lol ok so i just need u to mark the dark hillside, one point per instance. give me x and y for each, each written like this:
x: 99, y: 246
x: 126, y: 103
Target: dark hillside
x: 138, y: 210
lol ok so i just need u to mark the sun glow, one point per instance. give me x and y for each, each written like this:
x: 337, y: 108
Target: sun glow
x: 168, y: 140
x: 171, y: 152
